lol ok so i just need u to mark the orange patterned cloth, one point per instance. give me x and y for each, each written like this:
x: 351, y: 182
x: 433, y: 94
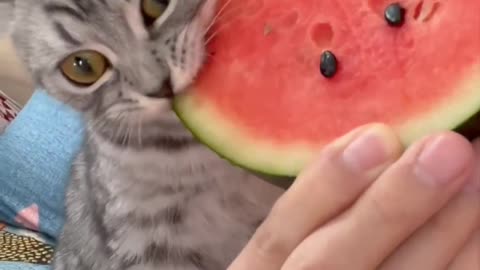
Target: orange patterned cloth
x: 21, y: 246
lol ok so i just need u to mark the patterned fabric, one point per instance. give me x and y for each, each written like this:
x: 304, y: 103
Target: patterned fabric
x: 8, y: 110
x: 22, y: 249
x: 18, y: 248
x: 36, y: 152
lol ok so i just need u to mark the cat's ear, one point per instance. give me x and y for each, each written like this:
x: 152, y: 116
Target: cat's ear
x: 6, y: 16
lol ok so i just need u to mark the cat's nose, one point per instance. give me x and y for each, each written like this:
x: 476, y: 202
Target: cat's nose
x: 165, y: 91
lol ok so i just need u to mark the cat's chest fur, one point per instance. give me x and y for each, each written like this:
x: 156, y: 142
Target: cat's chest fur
x: 185, y: 209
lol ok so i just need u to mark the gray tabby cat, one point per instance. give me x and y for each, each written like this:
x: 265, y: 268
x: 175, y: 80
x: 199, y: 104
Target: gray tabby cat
x: 144, y: 194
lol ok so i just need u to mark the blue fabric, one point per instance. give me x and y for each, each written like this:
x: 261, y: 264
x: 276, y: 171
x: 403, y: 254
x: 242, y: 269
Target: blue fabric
x: 36, y: 152
x: 22, y: 266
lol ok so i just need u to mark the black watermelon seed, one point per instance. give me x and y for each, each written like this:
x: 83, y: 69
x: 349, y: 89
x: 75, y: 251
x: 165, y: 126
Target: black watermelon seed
x: 395, y: 15
x: 328, y: 64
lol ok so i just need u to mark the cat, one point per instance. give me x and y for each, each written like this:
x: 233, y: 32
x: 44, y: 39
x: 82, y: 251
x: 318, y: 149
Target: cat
x: 144, y: 194
x: 6, y: 10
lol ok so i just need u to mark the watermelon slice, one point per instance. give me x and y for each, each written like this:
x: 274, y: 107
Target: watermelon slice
x: 263, y: 103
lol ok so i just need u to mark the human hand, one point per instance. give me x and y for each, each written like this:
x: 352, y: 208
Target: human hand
x: 367, y: 204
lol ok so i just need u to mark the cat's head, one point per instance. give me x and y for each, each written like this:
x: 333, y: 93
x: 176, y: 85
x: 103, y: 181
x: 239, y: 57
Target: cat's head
x: 117, y: 61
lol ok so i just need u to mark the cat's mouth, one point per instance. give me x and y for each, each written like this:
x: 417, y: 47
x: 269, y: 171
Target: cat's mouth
x: 165, y: 92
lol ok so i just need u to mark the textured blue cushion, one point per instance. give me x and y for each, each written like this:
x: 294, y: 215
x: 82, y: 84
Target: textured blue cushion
x: 36, y: 152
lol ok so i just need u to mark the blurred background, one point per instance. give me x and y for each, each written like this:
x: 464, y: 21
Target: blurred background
x: 15, y: 83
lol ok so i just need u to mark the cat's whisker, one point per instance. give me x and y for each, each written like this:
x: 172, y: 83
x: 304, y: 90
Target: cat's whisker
x: 118, y: 133
x: 139, y: 130
x: 100, y: 122
x: 127, y: 135
x: 102, y: 119
x: 209, y: 38
x: 123, y: 116
x: 126, y: 130
x: 214, y: 34
x: 124, y: 124
x: 230, y: 13
x: 217, y: 16
x: 130, y: 130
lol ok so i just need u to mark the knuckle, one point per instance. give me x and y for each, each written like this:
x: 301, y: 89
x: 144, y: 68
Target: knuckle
x: 319, y: 262
x: 271, y: 241
x: 269, y: 244
x: 392, y: 214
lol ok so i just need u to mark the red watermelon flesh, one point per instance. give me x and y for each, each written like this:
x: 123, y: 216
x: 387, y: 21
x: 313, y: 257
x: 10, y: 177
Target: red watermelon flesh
x: 262, y: 102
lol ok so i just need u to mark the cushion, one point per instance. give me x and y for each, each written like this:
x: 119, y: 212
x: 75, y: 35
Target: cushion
x: 36, y: 152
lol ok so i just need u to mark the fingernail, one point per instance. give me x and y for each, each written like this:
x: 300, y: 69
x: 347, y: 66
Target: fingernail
x: 367, y: 151
x: 443, y: 159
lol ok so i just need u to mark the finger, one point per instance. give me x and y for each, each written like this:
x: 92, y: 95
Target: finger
x: 469, y: 257
x: 436, y: 243
x: 402, y: 199
x: 333, y: 182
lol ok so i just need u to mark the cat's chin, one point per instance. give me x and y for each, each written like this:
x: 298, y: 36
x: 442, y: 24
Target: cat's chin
x: 181, y: 81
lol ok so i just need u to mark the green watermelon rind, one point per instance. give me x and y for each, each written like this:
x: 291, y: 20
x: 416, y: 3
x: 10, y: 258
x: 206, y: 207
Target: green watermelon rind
x: 222, y: 137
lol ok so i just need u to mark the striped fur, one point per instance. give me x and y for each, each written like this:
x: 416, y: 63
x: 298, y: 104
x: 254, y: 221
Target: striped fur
x: 144, y: 194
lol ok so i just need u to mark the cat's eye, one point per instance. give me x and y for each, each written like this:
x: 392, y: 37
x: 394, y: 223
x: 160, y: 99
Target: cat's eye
x: 85, y: 67
x: 153, y: 9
